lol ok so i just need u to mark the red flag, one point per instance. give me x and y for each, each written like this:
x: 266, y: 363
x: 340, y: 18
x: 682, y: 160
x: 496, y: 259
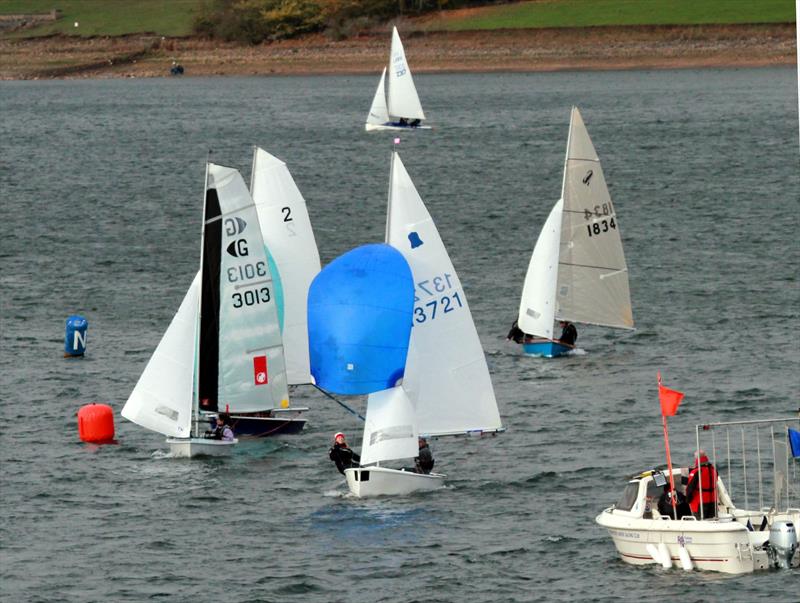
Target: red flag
x: 669, y: 398
x: 260, y: 370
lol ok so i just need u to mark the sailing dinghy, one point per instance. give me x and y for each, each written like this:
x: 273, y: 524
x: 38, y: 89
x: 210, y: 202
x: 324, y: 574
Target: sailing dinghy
x: 223, y: 348
x: 293, y: 261
x: 396, y: 104
x: 577, y: 272
x: 446, y: 389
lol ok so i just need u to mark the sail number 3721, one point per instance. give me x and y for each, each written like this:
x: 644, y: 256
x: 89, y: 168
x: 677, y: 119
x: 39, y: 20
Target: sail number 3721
x: 436, y: 304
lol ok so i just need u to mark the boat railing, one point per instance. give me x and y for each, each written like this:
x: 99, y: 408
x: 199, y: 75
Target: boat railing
x: 755, y: 458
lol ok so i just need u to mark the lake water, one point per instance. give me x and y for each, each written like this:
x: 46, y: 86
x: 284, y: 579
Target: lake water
x: 102, y: 185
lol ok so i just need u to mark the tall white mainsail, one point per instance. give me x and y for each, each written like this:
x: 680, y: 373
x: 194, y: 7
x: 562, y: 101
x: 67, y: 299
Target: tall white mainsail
x: 251, y: 366
x: 378, y: 112
x: 163, y: 400
x: 389, y: 430
x: 290, y: 243
x: 537, y: 307
x: 592, y: 275
x: 446, y: 376
x: 403, y: 100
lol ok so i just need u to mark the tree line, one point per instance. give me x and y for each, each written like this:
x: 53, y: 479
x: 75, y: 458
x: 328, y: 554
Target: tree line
x: 257, y: 21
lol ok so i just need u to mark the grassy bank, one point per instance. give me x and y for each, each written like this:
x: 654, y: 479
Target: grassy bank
x: 107, y: 17
x: 584, y: 13
x: 175, y: 17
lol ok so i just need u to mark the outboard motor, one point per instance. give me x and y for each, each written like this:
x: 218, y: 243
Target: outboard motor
x: 782, y: 544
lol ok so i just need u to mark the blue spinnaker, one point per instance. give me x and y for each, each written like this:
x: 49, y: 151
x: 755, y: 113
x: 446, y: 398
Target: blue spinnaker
x: 360, y: 308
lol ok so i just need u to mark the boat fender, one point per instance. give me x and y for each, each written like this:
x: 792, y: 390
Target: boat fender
x: 96, y: 423
x: 75, y: 338
x: 686, y: 560
x: 653, y: 552
x: 666, y: 558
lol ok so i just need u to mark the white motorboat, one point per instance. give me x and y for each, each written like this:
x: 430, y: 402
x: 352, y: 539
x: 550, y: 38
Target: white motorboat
x: 738, y: 540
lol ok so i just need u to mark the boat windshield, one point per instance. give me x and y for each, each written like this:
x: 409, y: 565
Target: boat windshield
x: 628, y: 497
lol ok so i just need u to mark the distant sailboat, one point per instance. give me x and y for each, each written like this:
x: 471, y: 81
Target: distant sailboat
x: 223, y: 348
x: 396, y: 105
x: 446, y: 388
x: 577, y: 272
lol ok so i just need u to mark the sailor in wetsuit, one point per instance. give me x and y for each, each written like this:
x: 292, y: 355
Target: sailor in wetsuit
x: 341, y: 454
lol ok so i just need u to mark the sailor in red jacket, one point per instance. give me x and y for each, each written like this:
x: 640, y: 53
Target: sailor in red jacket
x: 702, y: 484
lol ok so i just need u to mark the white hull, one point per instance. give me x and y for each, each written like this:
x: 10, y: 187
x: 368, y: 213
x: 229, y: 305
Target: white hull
x: 387, y: 127
x: 720, y: 545
x: 711, y: 545
x: 382, y: 481
x: 191, y: 447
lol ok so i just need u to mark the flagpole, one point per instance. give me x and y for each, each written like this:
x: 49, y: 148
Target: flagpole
x: 669, y: 465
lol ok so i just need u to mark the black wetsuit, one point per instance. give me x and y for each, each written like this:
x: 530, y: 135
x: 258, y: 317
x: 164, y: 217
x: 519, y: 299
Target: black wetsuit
x: 515, y: 334
x: 344, y: 457
x: 424, y: 462
x: 569, y: 334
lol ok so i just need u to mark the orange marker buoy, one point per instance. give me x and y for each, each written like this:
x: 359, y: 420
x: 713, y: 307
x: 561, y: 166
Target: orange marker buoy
x: 96, y: 423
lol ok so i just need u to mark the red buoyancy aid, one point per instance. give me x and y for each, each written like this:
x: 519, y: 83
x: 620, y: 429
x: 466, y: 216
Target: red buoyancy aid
x: 708, y: 481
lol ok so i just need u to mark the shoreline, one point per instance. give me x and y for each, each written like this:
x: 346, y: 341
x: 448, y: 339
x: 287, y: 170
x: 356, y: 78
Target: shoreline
x: 512, y: 50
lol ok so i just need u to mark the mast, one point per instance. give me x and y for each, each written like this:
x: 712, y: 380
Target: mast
x: 196, y: 388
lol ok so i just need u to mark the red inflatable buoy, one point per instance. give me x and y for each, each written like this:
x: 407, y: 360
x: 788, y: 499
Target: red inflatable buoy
x: 96, y: 423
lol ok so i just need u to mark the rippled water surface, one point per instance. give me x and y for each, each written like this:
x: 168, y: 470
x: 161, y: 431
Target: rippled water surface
x: 102, y: 190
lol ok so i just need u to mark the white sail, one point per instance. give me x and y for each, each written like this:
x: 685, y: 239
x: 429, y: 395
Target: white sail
x: 378, y: 113
x: 403, y: 100
x: 537, y: 307
x: 252, y: 372
x: 592, y: 276
x: 162, y: 400
x: 389, y: 431
x: 289, y: 239
x: 446, y: 376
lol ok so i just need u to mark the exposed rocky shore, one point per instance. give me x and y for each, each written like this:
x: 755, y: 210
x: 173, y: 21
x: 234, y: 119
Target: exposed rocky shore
x: 474, y: 51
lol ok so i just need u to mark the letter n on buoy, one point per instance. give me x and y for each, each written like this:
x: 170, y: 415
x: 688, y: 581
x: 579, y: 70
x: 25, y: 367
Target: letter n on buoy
x: 96, y: 424
x: 75, y: 339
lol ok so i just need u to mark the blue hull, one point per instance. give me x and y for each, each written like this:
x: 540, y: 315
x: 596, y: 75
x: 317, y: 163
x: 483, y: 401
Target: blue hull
x: 548, y: 349
x: 262, y: 427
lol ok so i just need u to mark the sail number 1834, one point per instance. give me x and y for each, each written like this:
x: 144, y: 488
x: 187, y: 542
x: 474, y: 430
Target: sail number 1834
x: 600, y: 227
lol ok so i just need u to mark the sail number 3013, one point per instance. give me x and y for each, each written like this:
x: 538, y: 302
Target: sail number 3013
x: 251, y: 297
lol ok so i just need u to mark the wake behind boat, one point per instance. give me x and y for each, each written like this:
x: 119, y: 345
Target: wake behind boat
x: 396, y: 104
x: 219, y: 350
x: 577, y: 272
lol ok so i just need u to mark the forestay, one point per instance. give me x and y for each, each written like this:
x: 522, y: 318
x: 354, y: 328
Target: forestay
x: 538, y: 306
x: 242, y: 366
x: 162, y: 400
x: 389, y: 432
x: 593, y: 276
x: 290, y: 244
x: 378, y: 112
x: 403, y: 99
x: 446, y: 376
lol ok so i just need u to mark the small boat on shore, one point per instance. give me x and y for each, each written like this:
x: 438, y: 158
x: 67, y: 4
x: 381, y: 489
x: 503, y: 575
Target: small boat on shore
x: 736, y: 539
x: 396, y: 104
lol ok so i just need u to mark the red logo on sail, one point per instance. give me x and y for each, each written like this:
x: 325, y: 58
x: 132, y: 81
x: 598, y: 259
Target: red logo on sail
x: 260, y: 370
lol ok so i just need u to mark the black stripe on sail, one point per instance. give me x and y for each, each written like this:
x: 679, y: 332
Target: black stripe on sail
x: 209, y: 305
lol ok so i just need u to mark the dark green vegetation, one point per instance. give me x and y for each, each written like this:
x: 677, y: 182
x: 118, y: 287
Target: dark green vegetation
x: 258, y: 20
